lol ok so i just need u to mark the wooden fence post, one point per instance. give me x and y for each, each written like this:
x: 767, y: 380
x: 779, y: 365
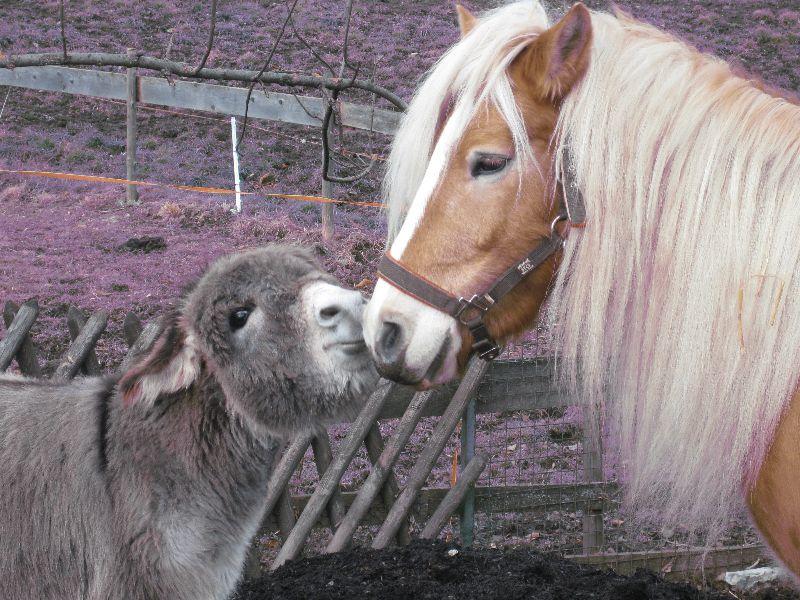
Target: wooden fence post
x: 131, y: 329
x: 327, y: 209
x: 130, y: 141
x: 391, y: 488
x: 433, y: 448
x: 26, y: 355
x: 323, y: 456
x: 142, y: 344
x: 276, y: 490
x: 17, y: 332
x: 75, y: 322
x: 467, y: 454
x: 593, y: 535
x: 457, y: 494
x: 379, y: 472
x: 81, y: 346
x: 330, y: 481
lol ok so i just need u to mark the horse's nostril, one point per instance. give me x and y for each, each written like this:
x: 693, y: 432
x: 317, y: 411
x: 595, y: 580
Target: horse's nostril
x: 388, y: 345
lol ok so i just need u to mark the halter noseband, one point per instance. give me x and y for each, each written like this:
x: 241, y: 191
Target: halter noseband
x: 471, y: 312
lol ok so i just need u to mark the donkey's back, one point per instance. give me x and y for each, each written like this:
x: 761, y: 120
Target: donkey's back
x: 53, y: 489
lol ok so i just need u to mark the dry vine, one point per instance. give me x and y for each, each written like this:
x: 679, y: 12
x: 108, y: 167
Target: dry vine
x: 330, y: 86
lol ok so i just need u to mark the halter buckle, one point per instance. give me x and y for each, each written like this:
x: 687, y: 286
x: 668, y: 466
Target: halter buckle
x: 482, y: 343
x: 479, y: 302
x: 487, y: 349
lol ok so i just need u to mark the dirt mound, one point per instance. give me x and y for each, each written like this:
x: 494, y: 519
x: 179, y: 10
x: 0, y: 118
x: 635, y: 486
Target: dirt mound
x: 144, y: 244
x: 434, y: 570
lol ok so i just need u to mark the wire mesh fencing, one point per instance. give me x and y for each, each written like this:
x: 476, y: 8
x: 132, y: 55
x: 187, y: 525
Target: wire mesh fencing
x: 549, y: 480
x: 543, y: 485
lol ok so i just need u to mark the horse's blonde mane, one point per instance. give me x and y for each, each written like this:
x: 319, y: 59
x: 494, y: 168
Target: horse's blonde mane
x: 677, y: 307
x: 679, y: 298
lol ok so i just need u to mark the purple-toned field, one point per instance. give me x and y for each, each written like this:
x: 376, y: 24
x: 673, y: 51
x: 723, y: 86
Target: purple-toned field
x: 61, y: 242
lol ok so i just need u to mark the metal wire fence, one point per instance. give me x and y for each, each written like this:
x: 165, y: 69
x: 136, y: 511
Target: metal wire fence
x: 543, y: 446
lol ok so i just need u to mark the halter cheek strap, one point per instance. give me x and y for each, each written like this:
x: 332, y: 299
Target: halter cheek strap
x: 471, y: 312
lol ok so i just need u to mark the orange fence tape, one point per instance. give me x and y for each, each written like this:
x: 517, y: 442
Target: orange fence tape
x: 186, y: 188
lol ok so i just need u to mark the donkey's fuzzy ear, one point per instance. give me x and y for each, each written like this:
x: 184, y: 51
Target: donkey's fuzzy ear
x: 558, y: 58
x: 172, y: 364
x: 466, y: 20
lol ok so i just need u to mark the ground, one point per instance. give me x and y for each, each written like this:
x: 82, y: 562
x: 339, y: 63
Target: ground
x: 434, y: 570
x: 69, y: 243
x: 60, y: 241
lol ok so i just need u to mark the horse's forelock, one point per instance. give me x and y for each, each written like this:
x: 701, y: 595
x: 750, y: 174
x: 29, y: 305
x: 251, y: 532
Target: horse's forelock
x: 472, y: 71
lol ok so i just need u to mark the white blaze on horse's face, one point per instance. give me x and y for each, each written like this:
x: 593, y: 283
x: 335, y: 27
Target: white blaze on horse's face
x: 411, y: 341
x: 484, y: 202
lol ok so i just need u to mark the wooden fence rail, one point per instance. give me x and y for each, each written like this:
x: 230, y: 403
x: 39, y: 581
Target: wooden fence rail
x: 497, y: 387
x: 203, y: 97
x: 135, y: 89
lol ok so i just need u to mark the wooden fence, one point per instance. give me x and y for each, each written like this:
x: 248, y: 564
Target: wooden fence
x: 218, y: 99
x: 500, y: 386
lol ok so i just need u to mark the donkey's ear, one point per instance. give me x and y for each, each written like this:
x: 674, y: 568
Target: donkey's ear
x: 466, y: 20
x: 172, y: 364
x: 558, y: 58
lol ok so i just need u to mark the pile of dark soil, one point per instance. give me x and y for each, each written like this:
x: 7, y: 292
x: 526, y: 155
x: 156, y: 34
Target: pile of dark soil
x: 434, y: 570
x: 144, y: 244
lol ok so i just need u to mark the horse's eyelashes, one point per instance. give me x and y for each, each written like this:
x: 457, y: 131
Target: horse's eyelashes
x: 488, y: 164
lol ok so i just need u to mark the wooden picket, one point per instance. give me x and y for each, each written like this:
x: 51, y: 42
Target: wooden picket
x: 526, y: 385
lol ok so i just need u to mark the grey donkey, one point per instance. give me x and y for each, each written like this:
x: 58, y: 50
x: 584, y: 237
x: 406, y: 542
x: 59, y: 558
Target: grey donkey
x: 151, y: 484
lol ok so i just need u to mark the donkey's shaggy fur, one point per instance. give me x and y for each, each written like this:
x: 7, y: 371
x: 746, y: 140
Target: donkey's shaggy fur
x: 151, y: 485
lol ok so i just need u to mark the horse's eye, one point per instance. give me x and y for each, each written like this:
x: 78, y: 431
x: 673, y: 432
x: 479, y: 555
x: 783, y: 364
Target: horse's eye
x: 238, y: 318
x: 488, y: 164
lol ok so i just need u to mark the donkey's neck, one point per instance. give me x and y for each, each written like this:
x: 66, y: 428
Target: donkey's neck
x: 200, y: 470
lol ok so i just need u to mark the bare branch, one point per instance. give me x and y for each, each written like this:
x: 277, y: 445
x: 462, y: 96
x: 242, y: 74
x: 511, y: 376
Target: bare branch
x: 326, y: 156
x: 303, y: 107
x: 210, y: 37
x: 330, y: 110
x: 63, y: 34
x: 263, y: 69
x: 168, y: 50
x: 102, y: 59
x: 310, y: 48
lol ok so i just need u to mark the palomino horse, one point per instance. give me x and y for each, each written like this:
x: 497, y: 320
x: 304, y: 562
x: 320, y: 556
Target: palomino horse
x: 676, y: 304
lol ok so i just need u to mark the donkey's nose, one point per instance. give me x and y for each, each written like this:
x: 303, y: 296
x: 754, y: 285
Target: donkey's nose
x: 388, y: 345
x: 329, y: 314
x: 337, y: 306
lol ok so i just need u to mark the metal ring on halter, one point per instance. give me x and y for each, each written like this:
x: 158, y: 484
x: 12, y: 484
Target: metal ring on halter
x: 556, y: 221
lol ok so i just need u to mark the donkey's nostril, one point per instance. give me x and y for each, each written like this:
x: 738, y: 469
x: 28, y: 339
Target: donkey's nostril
x: 388, y: 346
x: 329, y: 313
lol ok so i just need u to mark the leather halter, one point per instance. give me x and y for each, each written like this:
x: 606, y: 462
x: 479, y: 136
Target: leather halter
x: 471, y: 312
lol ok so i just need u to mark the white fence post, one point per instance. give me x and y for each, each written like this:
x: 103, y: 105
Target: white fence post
x: 234, y: 143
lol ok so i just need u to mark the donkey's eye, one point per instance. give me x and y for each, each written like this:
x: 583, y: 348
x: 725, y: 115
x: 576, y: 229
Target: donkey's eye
x: 238, y: 318
x: 487, y: 164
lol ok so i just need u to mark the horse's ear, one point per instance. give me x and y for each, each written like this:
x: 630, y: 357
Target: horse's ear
x: 559, y: 57
x: 466, y: 20
x: 172, y: 364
